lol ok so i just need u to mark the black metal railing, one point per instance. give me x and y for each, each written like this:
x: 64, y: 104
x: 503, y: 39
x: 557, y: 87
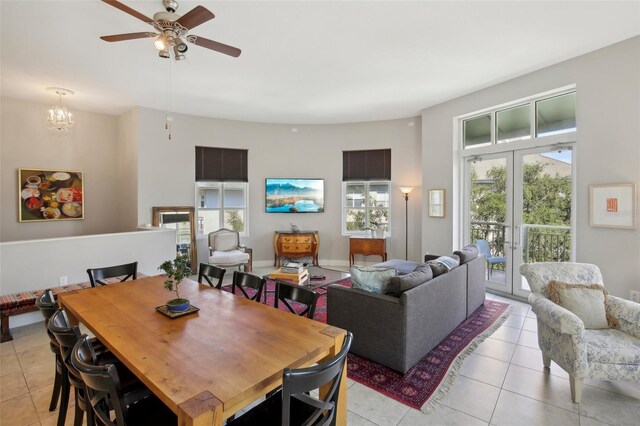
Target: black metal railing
x: 540, y: 243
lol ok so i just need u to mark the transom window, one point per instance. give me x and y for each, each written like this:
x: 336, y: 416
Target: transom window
x: 535, y: 118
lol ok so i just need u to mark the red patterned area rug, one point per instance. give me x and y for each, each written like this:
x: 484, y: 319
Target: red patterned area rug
x: 429, y: 381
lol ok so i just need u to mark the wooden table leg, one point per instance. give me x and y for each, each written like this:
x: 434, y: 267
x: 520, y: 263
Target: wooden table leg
x: 202, y: 409
x: 341, y: 412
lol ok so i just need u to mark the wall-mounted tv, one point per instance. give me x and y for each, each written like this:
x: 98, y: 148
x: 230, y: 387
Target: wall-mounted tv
x: 283, y: 195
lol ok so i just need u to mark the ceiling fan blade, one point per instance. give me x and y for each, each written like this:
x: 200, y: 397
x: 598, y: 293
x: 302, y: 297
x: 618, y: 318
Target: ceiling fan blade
x: 129, y: 36
x: 196, y: 16
x: 218, y: 47
x: 127, y: 9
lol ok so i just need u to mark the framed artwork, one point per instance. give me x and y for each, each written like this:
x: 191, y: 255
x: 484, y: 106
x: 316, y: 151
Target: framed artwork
x: 50, y: 195
x: 436, y: 202
x: 613, y: 206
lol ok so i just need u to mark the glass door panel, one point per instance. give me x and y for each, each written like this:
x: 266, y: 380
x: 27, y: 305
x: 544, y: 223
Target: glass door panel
x: 542, y: 210
x: 488, y: 216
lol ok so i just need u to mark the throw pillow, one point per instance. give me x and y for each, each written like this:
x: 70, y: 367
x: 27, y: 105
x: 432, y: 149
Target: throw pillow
x: 586, y: 301
x: 449, y: 261
x: 401, y: 283
x: 437, y: 268
x: 467, y: 253
x: 374, y: 280
x: 400, y: 265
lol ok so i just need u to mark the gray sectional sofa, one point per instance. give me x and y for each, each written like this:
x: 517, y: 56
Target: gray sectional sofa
x: 398, y: 331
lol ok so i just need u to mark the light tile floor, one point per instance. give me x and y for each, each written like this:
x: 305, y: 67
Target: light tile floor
x: 503, y: 383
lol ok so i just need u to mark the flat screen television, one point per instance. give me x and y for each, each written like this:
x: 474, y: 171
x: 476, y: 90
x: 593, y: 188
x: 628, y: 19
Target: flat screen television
x: 284, y: 195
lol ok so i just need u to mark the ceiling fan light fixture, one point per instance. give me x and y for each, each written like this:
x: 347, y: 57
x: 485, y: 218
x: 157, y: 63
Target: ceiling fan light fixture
x: 161, y: 42
x: 164, y: 53
x: 179, y: 56
x: 181, y: 45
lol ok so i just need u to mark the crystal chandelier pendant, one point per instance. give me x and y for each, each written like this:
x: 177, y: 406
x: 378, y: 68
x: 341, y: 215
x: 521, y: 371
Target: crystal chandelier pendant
x: 59, y: 120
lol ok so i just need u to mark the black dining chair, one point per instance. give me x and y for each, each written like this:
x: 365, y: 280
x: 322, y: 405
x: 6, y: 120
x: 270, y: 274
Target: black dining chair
x: 290, y: 292
x: 212, y: 275
x: 67, y: 337
x: 243, y: 280
x: 98, y: 275
x: 293, y: 404
x: 111, y: 405
x: 47, y: 305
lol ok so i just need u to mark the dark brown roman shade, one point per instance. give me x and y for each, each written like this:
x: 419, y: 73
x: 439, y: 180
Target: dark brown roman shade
x: 221, y: 164
x: 373, y: 164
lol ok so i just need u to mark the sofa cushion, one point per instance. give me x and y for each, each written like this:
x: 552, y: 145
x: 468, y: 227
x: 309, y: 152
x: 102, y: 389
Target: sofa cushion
x: 612, y: 347
x: 372, y: 279
x: 401, y: 266
x: 443, y: 264
x: 228, y: 258
x: 467, y: 253
x: 586, y: 301
x: 401, y: 283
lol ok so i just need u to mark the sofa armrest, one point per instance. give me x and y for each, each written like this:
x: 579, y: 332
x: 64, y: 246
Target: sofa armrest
x: 627, y: 313
x: 555, y: 316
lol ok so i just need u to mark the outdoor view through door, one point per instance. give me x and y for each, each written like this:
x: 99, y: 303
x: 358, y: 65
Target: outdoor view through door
x: 520, y: 212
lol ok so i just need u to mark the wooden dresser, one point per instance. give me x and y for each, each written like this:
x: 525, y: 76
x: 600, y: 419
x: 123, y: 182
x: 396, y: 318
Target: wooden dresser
x: 295, y: 245
x: 367, y: 246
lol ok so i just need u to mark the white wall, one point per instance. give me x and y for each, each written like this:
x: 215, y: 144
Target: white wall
x: 166, y: 172
x: 608, y: 150
x: 39, y: 264
x: 26, y: 142
x: 127, y: 166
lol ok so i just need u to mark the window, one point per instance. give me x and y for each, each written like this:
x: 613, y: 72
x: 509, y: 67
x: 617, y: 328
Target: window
x: 366, y: 205
x: 366, y: 190
x: 552, y: 115
x: 221, y: 205
x: 221, y: 189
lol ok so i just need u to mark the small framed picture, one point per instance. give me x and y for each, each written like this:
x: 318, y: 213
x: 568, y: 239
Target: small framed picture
x: 613, y: 206
x: 436, y: 202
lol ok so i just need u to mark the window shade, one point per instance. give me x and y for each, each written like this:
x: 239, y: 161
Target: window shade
x: 373, y: 164
x: 221, y: 164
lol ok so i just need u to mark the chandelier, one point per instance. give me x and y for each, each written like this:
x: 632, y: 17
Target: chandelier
x: 59, y: 118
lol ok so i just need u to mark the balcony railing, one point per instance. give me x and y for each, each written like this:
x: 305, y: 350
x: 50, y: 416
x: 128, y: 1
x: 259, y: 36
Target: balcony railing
x: 540, y: 243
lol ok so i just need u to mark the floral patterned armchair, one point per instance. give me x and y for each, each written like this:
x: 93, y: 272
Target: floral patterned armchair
x: 607, y: 354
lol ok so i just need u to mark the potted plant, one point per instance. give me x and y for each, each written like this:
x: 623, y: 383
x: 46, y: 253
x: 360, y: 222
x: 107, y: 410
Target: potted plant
x: 176, y: 270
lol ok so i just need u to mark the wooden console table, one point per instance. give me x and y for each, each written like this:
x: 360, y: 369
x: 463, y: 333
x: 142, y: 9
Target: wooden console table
x: 296, y: 245
x: 367, y: 246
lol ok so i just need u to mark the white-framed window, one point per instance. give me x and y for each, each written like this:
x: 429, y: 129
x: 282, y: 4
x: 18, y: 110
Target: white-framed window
x: 365, y: 205
x: 222, y: 205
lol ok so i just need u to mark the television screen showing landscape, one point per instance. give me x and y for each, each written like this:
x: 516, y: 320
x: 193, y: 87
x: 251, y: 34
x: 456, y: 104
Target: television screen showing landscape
x: 294, y: 195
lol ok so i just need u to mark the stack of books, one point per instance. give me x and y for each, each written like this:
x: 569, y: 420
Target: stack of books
x: 295, y: 273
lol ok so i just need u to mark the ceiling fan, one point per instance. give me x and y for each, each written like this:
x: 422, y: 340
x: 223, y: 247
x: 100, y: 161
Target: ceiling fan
x: 172, y: 30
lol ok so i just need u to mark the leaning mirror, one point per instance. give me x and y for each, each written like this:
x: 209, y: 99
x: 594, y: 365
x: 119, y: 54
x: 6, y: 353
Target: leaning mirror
x: 182, y: 220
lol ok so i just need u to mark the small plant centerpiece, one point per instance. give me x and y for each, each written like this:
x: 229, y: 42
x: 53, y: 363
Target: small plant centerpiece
x: 176, y: 270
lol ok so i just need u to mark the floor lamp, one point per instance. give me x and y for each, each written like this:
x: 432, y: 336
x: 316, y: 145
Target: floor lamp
x: 406, y: 190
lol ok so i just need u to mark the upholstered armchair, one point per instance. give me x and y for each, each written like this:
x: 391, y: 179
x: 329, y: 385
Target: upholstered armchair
x: 606, y: 354
x: 226, y: 251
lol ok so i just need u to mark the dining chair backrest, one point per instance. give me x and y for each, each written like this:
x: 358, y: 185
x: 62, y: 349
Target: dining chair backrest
x: 212, y: 275
x: 67, y: 337
x: 483, y: 248
x: 243, y: 280
x: 290, y: 292
x: 299, y: 382
x: 98, y: 275
x: 47, y: 304
x: 102, y: 382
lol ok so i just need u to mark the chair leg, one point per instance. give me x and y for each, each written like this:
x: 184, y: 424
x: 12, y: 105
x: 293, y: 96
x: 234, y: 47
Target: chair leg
x: 576, y: 388
x: 546, y: 360
x: 79, y: 412
x: 64, y: 399
x: 55, y: 395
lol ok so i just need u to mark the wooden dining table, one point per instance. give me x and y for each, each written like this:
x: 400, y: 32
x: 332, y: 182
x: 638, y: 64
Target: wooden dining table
x: 208, y: 365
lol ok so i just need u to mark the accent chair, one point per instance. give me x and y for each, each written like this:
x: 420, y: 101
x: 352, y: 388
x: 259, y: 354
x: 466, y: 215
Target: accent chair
x: 226, y: 251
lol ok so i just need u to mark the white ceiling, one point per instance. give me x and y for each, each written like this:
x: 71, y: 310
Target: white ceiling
x: 302, y: 62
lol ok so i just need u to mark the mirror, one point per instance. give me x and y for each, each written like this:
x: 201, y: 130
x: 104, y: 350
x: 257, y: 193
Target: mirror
x: 182, y: 220
x: 436, y: 202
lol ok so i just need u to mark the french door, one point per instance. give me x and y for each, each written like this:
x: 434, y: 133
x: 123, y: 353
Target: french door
x: 519, y: 208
